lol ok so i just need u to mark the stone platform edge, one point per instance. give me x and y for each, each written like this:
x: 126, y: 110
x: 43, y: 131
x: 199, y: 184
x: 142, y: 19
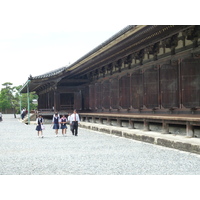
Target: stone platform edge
x: 178, y: 142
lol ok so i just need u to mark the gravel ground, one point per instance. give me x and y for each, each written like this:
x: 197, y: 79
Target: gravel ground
x: 91, y: 153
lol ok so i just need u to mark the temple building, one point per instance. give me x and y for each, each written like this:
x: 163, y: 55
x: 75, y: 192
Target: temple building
x: 141, y: 70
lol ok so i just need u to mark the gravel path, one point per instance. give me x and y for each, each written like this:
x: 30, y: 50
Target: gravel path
x: 91, y: 153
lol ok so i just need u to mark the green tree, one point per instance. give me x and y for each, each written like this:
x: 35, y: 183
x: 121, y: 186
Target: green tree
x: 10, y: 99
x: 24, y: 100
x: 6, y: 96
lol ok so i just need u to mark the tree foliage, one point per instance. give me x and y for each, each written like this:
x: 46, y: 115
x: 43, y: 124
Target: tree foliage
x: 10, y: 98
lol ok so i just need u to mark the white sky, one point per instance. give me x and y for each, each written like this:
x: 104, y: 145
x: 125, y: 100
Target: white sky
x: 37, y: 36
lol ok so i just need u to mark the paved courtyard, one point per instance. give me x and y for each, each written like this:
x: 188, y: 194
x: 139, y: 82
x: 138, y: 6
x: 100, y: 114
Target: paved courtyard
x: 91, y: 153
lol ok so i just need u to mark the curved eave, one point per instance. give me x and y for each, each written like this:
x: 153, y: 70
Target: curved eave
x: 47, y: 78
x: 23, y: 89
x: 50, y: 74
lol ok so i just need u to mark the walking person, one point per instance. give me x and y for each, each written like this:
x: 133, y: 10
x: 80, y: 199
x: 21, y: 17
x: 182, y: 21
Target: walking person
x: 68, y: 119
x: 63, y: 122
x: 39, y: 122
x: 56, y: 121
x: 1, y: 119
x: 23, y: 113
x: 74, y: 121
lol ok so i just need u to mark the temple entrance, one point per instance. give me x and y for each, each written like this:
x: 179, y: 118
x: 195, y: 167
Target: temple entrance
x: 67, y: 101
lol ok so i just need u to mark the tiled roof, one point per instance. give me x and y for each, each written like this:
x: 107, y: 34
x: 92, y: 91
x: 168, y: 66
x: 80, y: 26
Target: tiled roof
x: 49, y: 74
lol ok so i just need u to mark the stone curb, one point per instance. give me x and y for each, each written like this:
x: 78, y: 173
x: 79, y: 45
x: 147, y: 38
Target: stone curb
x: 182, y: 143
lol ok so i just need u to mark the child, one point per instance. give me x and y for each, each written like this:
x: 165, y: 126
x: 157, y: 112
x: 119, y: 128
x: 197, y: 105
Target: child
x: 63, y: 122
x: 39, y: 122
x: 56, y: 121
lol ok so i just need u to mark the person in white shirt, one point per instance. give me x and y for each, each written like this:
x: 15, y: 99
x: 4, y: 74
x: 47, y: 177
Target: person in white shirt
x: 23, y: 113
x: 74, y: 121
x: 68, y: 120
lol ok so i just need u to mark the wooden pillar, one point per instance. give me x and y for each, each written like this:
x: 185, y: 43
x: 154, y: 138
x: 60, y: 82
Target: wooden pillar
x: 119, y: 122
x: 146, y: 125
x: 165, y: 127
x: 93, y: 119
x: 56, y: 101
x: 48, y: 101
x: 131, y: 124
x: 52, y: 99
x: 108, y: 121
x: 87, y: 119
x: 100, y: 120
x: 189, y: 130
x: 39, y: 101
x: 42, y: 101
x: 45, y: 100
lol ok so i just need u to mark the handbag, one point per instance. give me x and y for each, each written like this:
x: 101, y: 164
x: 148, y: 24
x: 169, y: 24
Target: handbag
x: 43, y: 127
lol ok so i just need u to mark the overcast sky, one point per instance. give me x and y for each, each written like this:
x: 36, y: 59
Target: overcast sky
x: 42, y: 35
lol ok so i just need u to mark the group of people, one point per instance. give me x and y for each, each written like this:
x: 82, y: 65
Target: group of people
x: 60, y: 123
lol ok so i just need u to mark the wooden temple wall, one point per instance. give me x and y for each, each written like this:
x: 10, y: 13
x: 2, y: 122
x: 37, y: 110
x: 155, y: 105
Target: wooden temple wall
x: 160, y: 76
x: 46, y: 100
x: 171, y: 85
x: 167, y: 86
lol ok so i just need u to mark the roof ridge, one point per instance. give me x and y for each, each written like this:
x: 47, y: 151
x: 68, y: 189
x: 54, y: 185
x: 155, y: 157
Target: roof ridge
x: 51, y: 73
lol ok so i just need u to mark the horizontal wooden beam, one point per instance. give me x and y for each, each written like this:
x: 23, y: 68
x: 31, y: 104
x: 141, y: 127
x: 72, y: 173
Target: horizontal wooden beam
x: 74, y: 81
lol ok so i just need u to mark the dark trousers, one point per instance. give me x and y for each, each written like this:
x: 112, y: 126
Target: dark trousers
x: 75, y: 128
